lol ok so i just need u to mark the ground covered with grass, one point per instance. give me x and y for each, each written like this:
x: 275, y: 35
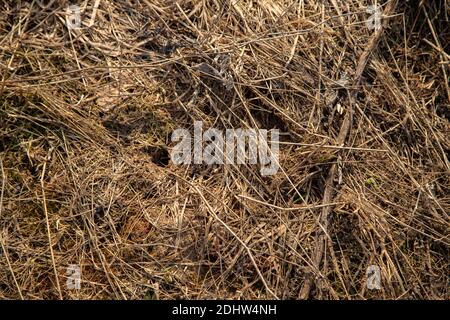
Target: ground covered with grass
x: 86, y: 117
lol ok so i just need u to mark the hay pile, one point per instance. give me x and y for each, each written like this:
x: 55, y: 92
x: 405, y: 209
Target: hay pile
x: 86, y: 117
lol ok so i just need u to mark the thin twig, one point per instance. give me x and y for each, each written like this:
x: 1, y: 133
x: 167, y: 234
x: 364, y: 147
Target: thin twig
x: 324, y: 218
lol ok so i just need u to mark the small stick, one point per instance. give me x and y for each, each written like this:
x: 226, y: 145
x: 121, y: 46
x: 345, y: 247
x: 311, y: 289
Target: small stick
x: 49, y: 235
x: 321, y: 239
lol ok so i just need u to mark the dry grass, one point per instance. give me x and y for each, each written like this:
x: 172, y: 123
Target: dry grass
x: 85, y: 123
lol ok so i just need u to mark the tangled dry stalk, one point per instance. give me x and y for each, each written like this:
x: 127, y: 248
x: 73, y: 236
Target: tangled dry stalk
x: 86, y: 117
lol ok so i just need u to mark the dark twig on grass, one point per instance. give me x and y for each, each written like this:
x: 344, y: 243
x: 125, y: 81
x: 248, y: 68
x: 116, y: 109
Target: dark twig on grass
x: 324, y: 218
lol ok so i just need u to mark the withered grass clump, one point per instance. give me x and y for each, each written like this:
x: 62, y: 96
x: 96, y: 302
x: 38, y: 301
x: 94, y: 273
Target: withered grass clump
x: 86, y: 117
